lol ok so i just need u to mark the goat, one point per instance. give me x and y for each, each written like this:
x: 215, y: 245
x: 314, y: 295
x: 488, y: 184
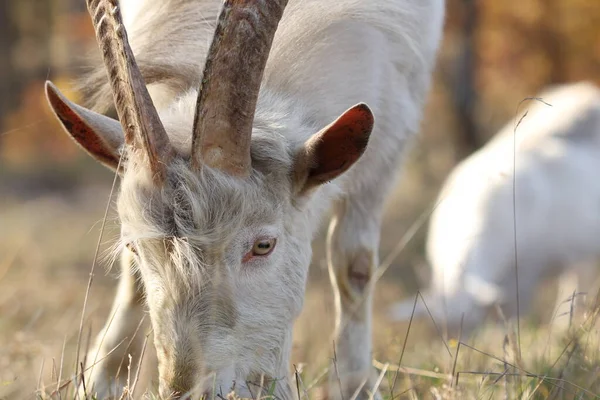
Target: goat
x: 227, y: 172
x: 471, y: 241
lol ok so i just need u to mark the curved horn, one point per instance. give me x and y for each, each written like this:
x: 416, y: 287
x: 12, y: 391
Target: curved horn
x: 230, y: 84
x: 139, y: 118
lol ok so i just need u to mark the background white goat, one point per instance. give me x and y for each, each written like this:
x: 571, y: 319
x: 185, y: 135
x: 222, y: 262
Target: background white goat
x: 471, y: 241
x: 220, y: 221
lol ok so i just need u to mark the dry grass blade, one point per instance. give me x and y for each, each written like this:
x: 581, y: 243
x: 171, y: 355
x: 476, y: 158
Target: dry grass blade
x: 85, y: 393
x: 412, y: 371
x: 128, y: 373
x: 260, y: 386
x: 457, y: 351
x: 53, y: 372
x: 102, y: 339
x: 337, y: 373
x: 514, y: 204
x: 522, y: 372
x: 435, y: 325
x: 375, y: 387
x: 453, y: 374
x: 137, y: 329
x: 404, y: 344
x: 60, y: 370
x: 359, y: 389
x: 536, y: 388
x: 550, y: 380
x: 561, y: 373
x: 299, y: 383
x: 63, y: 385
x: 93, y: 268
x: 39, y: 384
x: 318, y: 378
x: 139, y: 368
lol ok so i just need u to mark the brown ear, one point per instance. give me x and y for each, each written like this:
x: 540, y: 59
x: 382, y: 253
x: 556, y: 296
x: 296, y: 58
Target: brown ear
x: 334, y: 149
x: 98, y: 135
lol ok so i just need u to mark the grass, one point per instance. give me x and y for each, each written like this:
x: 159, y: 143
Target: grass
x: 47, y: 245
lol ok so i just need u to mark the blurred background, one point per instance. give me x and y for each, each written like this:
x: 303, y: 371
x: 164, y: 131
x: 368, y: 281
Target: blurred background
x: 53, y: 196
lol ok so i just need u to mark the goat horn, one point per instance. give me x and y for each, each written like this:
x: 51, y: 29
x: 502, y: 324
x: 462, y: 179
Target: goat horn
x: 230, y: 84
x: 139, y: 118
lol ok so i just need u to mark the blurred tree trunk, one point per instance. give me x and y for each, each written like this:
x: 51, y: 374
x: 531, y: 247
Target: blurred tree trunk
x: 8, y: 81
x: 552, y: 41
x: 25, y: 41
x: 464, y: 92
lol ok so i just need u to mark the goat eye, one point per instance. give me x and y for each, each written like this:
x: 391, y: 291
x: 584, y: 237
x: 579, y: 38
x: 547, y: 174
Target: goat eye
x: 263, y: 247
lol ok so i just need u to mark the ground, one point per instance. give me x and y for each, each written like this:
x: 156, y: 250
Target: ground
x: 48, y: 241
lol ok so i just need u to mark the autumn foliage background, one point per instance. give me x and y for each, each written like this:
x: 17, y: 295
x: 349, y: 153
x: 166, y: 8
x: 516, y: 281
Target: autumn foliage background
x: 52, y: 196
x: 494, y: 54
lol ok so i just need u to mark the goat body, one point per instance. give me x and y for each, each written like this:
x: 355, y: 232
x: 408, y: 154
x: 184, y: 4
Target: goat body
x: 546, y: 162
x: 222, y: 297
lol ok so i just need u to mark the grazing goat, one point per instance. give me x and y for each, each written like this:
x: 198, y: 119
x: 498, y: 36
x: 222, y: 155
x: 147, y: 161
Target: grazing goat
x: 471, y: 243
x: 227, y: 171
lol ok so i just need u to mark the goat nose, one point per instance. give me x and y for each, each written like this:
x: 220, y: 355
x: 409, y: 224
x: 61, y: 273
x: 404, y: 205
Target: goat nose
x: 178, y: 380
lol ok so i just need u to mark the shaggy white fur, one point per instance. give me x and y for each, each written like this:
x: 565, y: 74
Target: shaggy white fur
x: 211, y: 313
x: 471, y: 242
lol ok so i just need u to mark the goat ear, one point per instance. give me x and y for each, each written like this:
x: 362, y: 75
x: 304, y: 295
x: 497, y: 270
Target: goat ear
x: 334, y: 149
x: 98, y: 135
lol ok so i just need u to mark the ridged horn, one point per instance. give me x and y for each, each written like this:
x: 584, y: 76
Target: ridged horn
x: 142, y: 126
x: 230, y: 83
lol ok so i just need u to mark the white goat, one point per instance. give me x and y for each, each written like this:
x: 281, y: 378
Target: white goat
x: 223, y: 187
x: 471, y: 241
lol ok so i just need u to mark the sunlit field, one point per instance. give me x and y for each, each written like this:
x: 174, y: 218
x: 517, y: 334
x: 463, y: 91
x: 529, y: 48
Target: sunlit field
x: 58, y: 221
x: 49, y: 240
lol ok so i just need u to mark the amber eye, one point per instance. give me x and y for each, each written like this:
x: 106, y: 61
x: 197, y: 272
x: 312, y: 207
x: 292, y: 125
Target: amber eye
x: 263, y: 247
